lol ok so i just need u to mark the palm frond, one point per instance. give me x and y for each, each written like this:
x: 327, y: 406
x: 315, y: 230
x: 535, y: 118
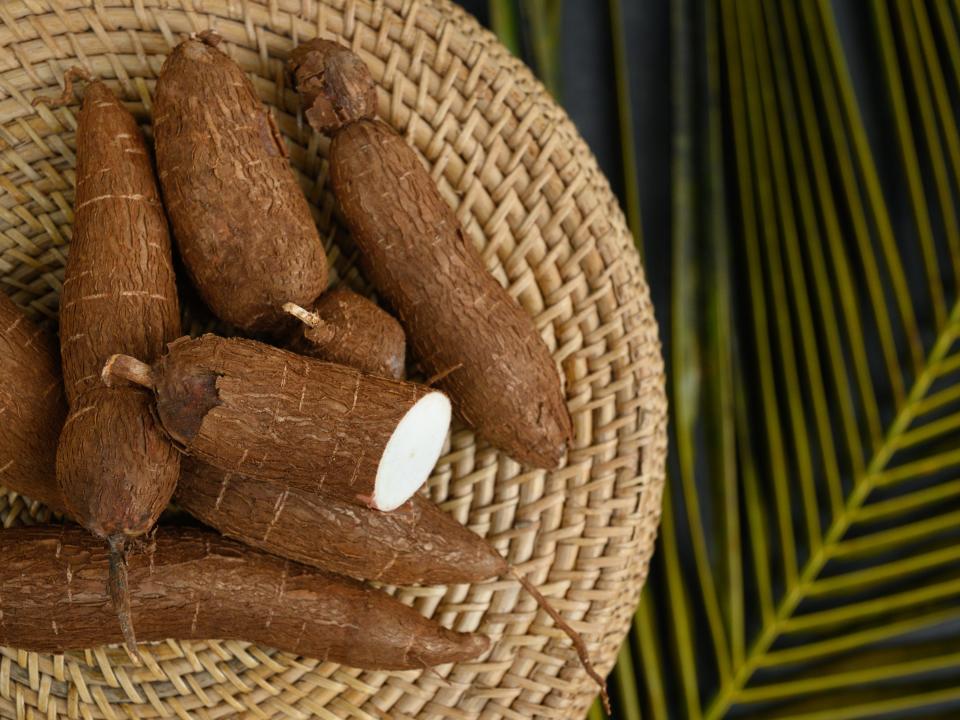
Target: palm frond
x: 505, y: 22
x: 596, y: 711
x: 543, y: 23
x: 628, y: 700
x: 814, y: 358
x: 647, y: 651
x: 628, y: 150
x: 532, y: 25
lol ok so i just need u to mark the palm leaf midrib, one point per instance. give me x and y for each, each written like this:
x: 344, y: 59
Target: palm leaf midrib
x: 862, y: 486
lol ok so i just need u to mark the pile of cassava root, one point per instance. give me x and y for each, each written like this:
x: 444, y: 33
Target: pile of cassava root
x: 303, y: 444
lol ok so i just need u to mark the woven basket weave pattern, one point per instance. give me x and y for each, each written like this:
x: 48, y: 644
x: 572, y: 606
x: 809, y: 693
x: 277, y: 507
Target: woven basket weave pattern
x: 530, y: 195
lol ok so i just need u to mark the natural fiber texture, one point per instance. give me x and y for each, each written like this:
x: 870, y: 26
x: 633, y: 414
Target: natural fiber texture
x: 530, y: 195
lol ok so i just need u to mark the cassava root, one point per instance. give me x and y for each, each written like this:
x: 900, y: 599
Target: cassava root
x: 249, y: 408
x: 415, y: 252
x: 32, y: 407
x: 416, y: 544
x: 241, y: 221
x: 115, y: 468
x: 192, y: 584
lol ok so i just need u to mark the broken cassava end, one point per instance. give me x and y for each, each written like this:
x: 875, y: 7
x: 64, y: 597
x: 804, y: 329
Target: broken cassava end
x: 411, y: 451
x: 119, y: 368
x: 335, y: 86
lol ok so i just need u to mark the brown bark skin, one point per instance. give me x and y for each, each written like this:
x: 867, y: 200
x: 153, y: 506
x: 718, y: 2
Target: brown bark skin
x: 415, y: 544
x: 455, y: 313
x: 115, y: 467
x: 457, y: 317
x: 119, y: 293
x: 247, y: 407
x: 32, y: 407
x: 193, y: 584
x: 241, y: 221
x: 353, y: 331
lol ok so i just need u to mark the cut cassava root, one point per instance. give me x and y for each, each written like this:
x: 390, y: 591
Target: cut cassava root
x: 246, y: 407
x: 192, y: 584
x: 347, y: 328
x: 415, y: 544
x: 116, y: 469
x: 241, y: 221
x: 455, y: 313
x: 32, y: 407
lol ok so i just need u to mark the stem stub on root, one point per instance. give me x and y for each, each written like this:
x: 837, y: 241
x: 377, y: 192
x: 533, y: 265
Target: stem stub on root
x: 310, y: 319
x: 120, y: 368
x: 210, y: 37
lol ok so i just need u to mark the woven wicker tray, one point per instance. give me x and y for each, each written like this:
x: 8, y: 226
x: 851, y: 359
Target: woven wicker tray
x: 530, y: 195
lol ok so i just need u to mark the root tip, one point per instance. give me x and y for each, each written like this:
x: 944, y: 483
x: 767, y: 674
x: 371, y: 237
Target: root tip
x: 67, y: 95
x: 119, y: 591
x: 605, y: 700
x: 578, y: 644
x: 138, y: 661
